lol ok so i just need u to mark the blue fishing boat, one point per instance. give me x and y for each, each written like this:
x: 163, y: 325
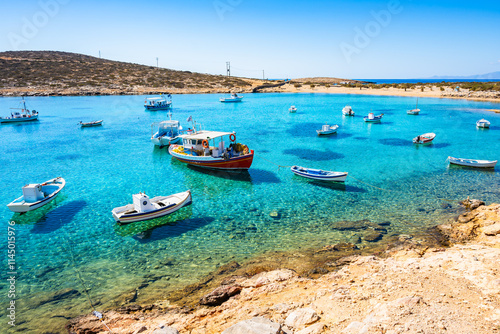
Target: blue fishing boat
x: 372, y: 118
x: 158, y: 103
x: 318, y: 174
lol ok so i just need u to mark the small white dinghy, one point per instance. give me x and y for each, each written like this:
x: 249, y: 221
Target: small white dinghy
x: 482, y: 123
x: 426, y: 138
x: 347, y: 111
x: 37, y: 195
x: 145, y: 208
x: 473, y: 162
x: 327, y: 130
x: 318, y: 174
x: 292, y: 109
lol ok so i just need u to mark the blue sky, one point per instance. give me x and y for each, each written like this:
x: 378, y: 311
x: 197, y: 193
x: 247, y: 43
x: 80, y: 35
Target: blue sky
x: 286, y: 39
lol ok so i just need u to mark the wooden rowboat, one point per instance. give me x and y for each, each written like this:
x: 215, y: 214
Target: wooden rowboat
x: 318, y: 174
x: 473, y: 162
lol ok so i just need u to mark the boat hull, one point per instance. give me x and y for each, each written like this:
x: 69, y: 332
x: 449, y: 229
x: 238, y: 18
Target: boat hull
x: 426, y: 138
x: 136, y: 217
x: 413, y: 112
x: 229, y: 100
x: 165, y: 141
x: 473, y: 162
x: 91, y: 124
x: 239, y: 162
x: 18, y: 120
x: 20, y: 206
x: 154, y: 108
x: 375, y: 119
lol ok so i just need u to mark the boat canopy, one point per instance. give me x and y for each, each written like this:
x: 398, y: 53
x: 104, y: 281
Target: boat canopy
x: 207, y: 135
x: 155, y: 98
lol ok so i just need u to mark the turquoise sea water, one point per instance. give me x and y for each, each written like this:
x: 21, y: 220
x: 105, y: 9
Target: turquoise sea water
x: 390, y: 180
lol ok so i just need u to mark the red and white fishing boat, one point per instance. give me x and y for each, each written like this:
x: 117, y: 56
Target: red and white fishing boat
x: 212, y: 149
x: 426, y: 138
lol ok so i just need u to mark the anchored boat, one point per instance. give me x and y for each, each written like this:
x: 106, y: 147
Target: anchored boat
x: 415, y: 111
x: 158, y: 103
x: 169, y: 132
x: 473, y: 162
x: 347, y: 111
x: 319, y: 174
x: 372, y: 118
x: 327, y: 130
x: 37, y: 195
x: 210, y: 149
x: 90, y: 124
x: 426, y: 138
x: 482, y: 123
x: 292, y: 109
x: 234, y: 98
x: 24, y: 115
x: 145, y: 208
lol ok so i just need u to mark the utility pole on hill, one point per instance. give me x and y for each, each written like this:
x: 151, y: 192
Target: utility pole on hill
x: 228, y: 68
x: 156, y: 62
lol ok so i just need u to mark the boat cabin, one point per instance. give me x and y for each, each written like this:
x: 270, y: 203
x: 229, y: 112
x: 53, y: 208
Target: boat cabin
x: 33, y: 193
x: 142, y: 203
x: 169, y: 128
x: 212, y: 143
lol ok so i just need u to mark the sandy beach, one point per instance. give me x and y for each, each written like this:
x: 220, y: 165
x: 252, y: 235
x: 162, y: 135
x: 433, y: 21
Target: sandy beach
x: 428, y: 91
x: 408, y: 288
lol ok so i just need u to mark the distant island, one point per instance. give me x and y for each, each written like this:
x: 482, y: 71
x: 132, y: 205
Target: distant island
x: 487, y: 76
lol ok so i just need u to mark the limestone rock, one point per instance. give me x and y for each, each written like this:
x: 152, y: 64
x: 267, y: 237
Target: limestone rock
x: 317, y: 328
x: 492, y: 229
x: 301, y: 317
x: 257, y: 325
x: 165, y: 330
x: 220, y: 295
x: 269, y: 277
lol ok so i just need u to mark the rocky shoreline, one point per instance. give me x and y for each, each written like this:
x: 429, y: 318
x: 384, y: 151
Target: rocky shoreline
x: 448, y: 282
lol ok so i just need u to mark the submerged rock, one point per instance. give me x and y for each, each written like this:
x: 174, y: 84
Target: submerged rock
x: 257, y: 325
x: 372, y: 236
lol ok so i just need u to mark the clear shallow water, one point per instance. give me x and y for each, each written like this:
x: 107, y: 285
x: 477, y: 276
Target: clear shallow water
x: 390, y: 179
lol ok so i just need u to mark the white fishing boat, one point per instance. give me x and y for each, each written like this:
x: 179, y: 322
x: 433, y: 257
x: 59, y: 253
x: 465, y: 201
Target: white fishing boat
x: 37, y: 195
x: 145, y: 208
x: 91, y: 124
x: 158, y: 103
x: 482, y: 123
x: 234, y: 98
x: 292, y: 109
x: 327, y: 130
x: 372, y: 118
x: 347, y: 111
x: 318, y: 174
x: 426, y: 138
x: 473, y: 162
x: 168, y: 132
x: 415, y: 111
x: 23, y: 115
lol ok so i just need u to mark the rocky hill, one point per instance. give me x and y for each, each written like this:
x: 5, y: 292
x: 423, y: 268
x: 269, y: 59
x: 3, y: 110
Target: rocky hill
x: 64, y: 73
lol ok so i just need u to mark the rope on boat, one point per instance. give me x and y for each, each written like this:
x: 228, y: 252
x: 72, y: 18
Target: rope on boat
x: 79, y: 275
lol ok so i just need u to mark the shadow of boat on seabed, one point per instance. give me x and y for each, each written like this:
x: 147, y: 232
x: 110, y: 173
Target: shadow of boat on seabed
x: 58, y: 217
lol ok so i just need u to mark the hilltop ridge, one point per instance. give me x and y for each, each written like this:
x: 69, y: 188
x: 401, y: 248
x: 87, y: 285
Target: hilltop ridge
x: 65, y: 73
